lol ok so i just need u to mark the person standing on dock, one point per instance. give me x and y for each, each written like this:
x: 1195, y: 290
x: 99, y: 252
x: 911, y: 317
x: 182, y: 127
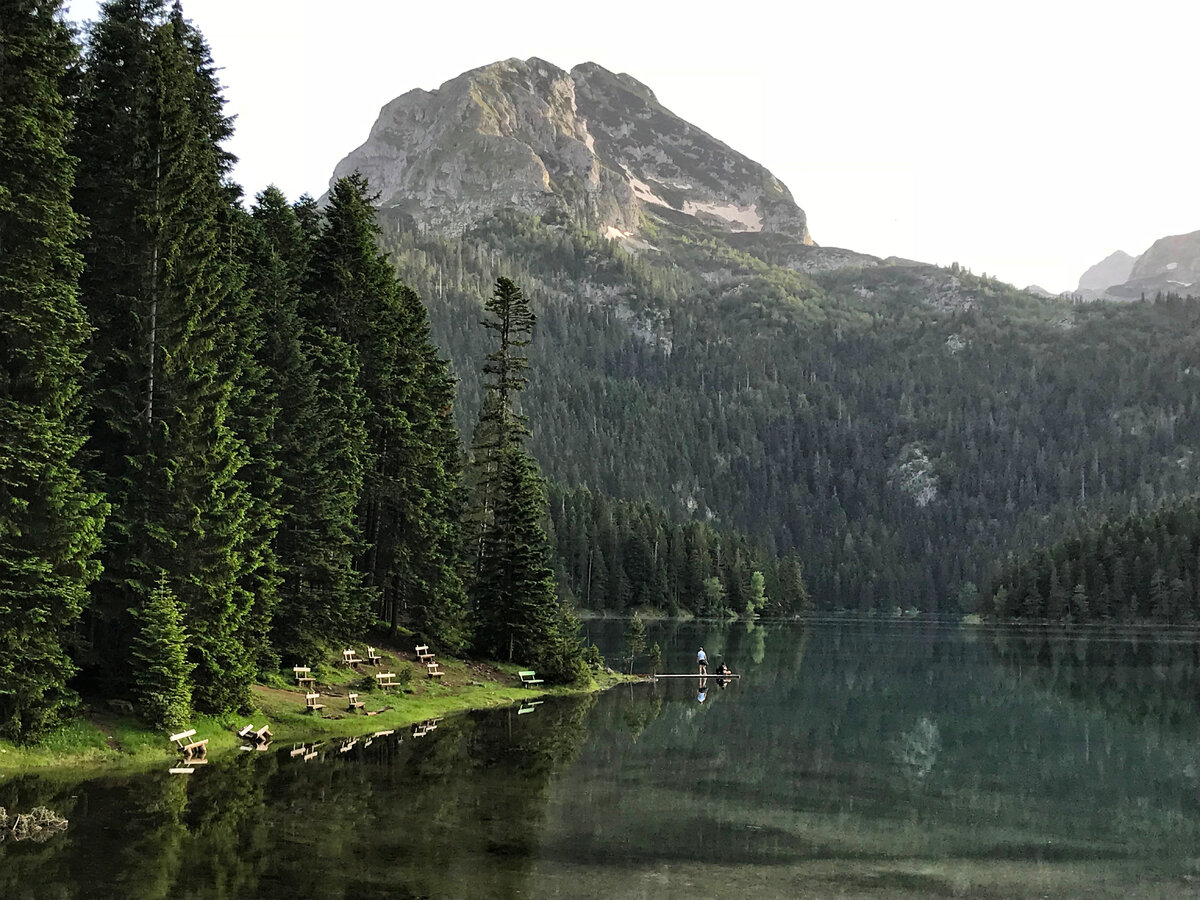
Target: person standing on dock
x: 702, y: 662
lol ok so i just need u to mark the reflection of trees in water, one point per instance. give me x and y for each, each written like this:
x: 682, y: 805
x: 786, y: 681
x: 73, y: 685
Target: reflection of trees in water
x: 870, y: 740
x: 145, y: 838
x: 1148, y: 677
x: 916, y: 750
x: 456, y: 813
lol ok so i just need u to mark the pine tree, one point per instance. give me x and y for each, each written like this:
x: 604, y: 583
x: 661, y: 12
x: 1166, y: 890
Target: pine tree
x: 320, y: 439
x: 159, y: 658
x: 635, y: 639
x: 159, y: 283
x: 516, y: 604
x: 656, y: 659
x: 409, y: 507
x: 50, y: 521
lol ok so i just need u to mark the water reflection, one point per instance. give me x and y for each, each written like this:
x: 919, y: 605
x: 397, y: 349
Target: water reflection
x: 854, y: 759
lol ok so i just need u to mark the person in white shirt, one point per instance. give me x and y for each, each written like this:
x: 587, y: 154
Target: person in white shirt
x: 702, y: 662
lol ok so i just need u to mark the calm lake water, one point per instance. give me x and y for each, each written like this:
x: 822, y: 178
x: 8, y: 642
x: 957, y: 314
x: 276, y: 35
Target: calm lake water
x: 853, y: 759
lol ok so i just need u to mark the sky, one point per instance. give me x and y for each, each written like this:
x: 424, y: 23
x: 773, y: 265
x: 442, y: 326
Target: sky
x: 1027, y: 140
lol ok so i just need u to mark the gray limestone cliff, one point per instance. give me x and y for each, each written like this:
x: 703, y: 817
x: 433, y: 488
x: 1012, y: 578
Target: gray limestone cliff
x: 588, y: 144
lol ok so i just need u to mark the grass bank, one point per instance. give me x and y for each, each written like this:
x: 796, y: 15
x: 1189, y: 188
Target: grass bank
x: 110, y: 740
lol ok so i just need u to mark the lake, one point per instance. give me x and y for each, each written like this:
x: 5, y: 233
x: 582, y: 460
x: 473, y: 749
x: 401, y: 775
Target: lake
x: 883, y: 759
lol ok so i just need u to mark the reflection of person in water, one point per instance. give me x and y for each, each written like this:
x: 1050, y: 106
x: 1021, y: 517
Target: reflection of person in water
x: 703, y: 690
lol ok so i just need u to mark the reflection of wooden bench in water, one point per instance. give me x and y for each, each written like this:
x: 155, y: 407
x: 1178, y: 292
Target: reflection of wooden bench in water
x: 528, y: 706
x: 423, y: 653
x: 189, y: 749
x: 373, y: 656
x: 258, y: 736
x: 423, y: 728
x: 353, y: 703
x: 347, y: 745
x: 303, y: 675
x: 310, y: 703
x: 529, y: 678
x: 386, y: 680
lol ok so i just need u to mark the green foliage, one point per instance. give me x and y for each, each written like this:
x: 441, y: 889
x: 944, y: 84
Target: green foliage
x: 656, y: 659
x: 408, y: 511
x: 159, y: 660
x: 50, y: 520
x: 163, y: 288
x: 592, y: 658
x: 635, y: 639
x: 320, y: 439
x: 616, y: 555
x: 1137, y: 568
x: 713, y: 603
x: 516, y: 605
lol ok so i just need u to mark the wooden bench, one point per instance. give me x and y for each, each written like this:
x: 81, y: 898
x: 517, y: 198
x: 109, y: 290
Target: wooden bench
x: 373, y: 657
x: 353, y: 703
x: 192, y: 748
x: 386, y: 679
x: 423, y: 653
x: 529, y: 678
x: 433, y: 670
x: 303, y: 675
x: 310, y: 703
x: 258, y: 735
x: 349, y: 658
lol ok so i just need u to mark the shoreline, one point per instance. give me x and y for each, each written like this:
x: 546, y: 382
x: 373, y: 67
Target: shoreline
x: 104, y: 742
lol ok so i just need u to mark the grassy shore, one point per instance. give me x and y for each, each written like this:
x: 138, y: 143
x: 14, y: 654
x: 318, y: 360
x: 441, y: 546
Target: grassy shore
x: 105, y: 740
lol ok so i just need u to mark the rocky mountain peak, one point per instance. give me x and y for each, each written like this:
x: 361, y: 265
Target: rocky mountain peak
x: 1113, y: 269
x: 589, y: 144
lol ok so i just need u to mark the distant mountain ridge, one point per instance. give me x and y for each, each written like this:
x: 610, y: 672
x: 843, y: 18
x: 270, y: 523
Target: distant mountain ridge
x: 1113, y: 269
x: 1171, y: 265
x: 589, y: 145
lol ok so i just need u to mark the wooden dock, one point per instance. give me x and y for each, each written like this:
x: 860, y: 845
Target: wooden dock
x: 710, y: 675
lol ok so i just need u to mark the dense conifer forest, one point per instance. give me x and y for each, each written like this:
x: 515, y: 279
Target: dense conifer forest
x: 1133, y: 569
x: 901, y: 428
x: 229, y: 439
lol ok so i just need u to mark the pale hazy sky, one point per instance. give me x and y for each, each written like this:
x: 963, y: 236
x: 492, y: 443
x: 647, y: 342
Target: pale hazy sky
x: 1023, y: 139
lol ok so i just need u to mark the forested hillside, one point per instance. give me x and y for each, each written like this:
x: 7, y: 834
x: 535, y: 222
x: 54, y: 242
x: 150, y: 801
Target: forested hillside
x: 899, y: 426
x: 1143, y: 568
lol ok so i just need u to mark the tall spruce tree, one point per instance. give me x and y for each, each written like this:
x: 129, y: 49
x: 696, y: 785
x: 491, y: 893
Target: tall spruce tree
x: 515, y: 601
x: 160, y: 284
x: 321, y: 439
x: 158, y: 655
x: 407, y: 511
x: 50, y: 521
